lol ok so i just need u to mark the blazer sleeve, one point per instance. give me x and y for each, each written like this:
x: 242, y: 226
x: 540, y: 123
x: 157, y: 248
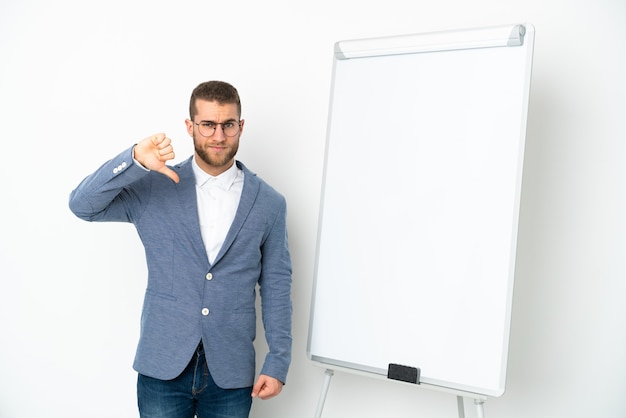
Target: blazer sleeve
x: 105, y: 194
x: 276, y: 306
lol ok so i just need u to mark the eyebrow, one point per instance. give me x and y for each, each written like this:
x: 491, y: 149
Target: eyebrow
x: 226, y: 121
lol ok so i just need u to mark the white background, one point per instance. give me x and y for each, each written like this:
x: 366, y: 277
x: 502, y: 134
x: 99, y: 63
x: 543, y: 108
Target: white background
x: 80, y: 81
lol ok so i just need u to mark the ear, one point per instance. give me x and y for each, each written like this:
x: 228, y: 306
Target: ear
x: 189, y: 125
x: 241, y: 122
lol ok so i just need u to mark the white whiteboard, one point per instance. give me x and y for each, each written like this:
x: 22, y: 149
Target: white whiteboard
x: 418, y: 223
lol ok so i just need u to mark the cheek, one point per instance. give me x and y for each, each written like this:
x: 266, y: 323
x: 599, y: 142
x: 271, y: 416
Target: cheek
x: 195, y: 140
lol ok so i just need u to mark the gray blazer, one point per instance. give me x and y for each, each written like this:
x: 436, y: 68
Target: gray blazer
x: 187, y: 298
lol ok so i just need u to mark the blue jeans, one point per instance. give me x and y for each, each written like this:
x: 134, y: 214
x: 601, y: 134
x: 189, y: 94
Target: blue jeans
x: 193, y: 393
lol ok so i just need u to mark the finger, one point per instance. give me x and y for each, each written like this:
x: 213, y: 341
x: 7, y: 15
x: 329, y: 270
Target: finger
x: 166, y: 153
x: 264, y: 393
x: 165, y: 170
x: 266, y: 388
x: 158, y: 138
x: 267, y: 393
x: 164, y: 143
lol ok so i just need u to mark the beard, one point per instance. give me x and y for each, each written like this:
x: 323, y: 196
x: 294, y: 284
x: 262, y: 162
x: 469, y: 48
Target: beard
x: 215, y: 160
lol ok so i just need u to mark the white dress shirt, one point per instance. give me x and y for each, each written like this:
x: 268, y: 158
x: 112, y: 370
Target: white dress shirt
x: 218, y: 199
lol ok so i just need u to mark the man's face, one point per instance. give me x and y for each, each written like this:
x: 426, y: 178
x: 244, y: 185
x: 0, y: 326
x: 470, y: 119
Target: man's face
x: 215, y: 153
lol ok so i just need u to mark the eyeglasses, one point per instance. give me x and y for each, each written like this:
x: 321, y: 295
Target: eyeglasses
x: 207, y: 128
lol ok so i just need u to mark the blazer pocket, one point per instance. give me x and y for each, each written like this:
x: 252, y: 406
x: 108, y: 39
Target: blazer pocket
x: 152, y: 293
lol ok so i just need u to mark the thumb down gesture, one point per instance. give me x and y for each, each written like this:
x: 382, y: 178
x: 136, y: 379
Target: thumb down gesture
x: 153, y: 152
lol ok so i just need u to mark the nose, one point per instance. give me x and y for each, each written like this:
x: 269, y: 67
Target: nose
x: 219, y: 134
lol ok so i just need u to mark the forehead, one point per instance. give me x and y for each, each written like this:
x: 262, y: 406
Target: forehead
x: 216, y: 112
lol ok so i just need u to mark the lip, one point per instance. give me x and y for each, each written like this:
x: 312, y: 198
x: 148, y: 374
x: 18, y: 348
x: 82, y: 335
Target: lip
x: 216, y: 148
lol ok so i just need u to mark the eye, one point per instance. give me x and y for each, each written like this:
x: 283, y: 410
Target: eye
x: 207, y: 124
x: 229, y: 124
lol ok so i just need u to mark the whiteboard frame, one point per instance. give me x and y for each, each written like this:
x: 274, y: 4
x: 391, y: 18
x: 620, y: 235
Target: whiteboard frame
x: 504, y: 36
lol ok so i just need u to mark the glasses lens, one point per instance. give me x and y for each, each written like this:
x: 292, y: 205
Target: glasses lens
x: 230, y: 128
x: 206, y: 128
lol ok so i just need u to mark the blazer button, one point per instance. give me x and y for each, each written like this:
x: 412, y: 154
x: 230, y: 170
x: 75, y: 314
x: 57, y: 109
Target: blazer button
x: 205, y: 311
x: 209, y: 276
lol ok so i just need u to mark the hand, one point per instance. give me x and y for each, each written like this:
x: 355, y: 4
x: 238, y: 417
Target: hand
x: 266, y: 387
x: 153, y: 152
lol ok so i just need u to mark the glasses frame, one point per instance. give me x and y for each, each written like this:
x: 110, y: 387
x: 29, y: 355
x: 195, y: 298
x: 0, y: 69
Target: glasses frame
x: 236, y: 122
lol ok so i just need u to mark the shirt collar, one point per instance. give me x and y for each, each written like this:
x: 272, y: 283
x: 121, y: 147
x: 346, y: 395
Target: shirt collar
x: 224, y: 180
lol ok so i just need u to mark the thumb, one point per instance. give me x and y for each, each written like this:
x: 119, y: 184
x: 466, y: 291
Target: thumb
x: 257, y: 388
x: 165, y: 170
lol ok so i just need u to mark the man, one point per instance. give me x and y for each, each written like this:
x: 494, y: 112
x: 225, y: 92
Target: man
x: 212, y: 230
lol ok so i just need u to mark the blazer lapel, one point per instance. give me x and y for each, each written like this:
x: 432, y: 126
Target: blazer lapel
x: 248, y: 197
x: 189, y: 203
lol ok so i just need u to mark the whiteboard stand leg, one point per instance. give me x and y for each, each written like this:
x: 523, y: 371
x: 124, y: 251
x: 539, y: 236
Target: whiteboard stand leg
x: 320, y: 403
x: 480, y: 411
x: 459, y: 403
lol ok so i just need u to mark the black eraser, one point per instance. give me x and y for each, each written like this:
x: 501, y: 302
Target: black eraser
x: 403, y: 373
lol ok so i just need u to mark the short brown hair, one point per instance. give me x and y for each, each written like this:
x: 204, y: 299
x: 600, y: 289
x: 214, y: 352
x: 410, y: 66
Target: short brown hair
x: 214, y: 91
